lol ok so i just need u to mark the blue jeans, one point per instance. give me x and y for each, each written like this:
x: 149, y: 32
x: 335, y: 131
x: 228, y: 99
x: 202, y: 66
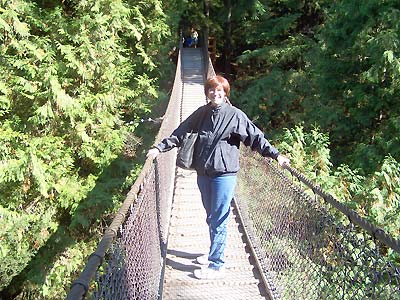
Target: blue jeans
x: 216, y: 194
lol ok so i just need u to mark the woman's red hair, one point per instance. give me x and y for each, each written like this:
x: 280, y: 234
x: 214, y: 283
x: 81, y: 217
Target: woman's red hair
x: 215, y: 81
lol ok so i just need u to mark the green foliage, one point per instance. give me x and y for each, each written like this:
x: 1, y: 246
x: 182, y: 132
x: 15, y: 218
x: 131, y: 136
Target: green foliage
x: 310, y: 154
x: 332, y: 66
x: 277, y: 62
x: 376, y: 198
x: 357, y: 78
x: 384, y: 197
x: 72, y: 74
x: 59, y: 274
x: 50, y: 281
x: 21, y: 235
x: 271, y: 106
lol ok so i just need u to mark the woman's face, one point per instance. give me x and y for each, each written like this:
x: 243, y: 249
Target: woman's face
x: 216, y: 95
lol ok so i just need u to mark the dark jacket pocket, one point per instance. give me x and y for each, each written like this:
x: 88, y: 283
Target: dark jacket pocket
x: 225, y: 158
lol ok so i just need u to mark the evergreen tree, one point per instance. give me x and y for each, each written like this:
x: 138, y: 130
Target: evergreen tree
x: 72, y: 73
x: 357, y: 78
x: 275, y: 62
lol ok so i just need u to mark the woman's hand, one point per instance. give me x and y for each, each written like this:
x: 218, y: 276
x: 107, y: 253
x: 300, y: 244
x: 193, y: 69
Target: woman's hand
x: 153, y: 153
x: 282, y: 160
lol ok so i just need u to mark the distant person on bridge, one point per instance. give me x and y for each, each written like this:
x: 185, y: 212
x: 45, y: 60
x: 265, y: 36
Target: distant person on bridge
x: 194, y: 38
x: 216, y: 161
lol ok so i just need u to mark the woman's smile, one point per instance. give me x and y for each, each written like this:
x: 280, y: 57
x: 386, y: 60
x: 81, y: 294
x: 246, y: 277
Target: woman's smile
x: 216, y: 96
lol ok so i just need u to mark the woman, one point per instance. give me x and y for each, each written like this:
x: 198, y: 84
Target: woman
x: 221, y: 128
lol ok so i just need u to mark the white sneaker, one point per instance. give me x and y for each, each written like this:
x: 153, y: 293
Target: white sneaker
x: 203, y: 259
x: 209, y: 273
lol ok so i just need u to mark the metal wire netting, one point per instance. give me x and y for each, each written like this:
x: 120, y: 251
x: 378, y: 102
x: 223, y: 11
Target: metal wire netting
x: 307, y: 249
x: 133, y: 266
x: 208, y: 66
x: 129, y: 261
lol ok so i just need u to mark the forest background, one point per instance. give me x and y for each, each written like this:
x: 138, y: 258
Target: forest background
x: 78, y: 77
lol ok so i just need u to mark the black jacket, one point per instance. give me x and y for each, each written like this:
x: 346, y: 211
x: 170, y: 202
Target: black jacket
x: 221, y: 130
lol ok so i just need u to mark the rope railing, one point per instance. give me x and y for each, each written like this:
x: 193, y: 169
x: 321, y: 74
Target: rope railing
x: 128, y: 261
x: 374, y: 231
x: 310, y: 248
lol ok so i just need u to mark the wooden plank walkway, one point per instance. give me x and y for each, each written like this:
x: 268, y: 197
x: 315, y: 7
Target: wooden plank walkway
x: 188, y: 231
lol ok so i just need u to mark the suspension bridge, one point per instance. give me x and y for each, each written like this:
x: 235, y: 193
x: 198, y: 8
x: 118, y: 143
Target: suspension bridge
x: 287, y: 238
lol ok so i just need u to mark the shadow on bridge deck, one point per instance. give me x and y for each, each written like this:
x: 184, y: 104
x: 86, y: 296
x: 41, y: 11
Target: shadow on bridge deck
x: 188, y: 232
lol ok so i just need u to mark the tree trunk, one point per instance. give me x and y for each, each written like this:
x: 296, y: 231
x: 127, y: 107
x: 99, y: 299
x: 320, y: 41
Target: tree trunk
x: 207, y: 14
x: 228, y: 38
x: 206, y: 8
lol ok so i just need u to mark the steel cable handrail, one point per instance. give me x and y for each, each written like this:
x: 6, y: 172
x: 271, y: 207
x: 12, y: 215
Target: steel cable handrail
x: 305, y: 248
x: 376, y: 232
x: 80, y: 286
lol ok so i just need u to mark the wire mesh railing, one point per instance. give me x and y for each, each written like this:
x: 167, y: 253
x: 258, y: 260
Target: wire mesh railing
x: 312, y: 247
x: 208, y: 67
x: 129, y: 260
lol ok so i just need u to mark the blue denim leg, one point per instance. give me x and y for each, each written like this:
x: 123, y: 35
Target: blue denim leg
x: 216, y: 194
